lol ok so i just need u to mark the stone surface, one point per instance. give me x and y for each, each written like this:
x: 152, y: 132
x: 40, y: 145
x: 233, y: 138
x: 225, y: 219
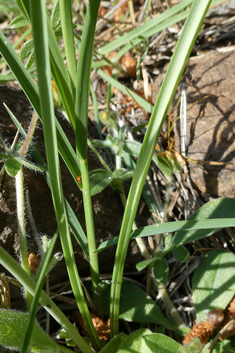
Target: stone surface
x: 211, y: 122
x: 107, y: 207
x: 210, y: 80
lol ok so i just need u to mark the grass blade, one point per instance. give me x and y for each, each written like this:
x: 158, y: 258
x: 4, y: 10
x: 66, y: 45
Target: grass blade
x: 168, y: 88
x: 41, y: 47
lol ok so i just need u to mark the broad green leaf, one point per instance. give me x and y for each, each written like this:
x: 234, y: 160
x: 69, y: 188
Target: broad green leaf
x: 12, y: 330
x: 134, y: 148
x: 99, y: 179
x: 135, y: 342
x: 18, y: 22
x: 161, y: 269
x: 180, y: 253
x: 12, y: 167
x: 118, y: 172
x: 214, y: 282
x: 26, y: 49
x: 159, y: 343
x: 137, y: 306
x: 123, y: 174
x: 219, y: 208
x: 173, y: 227
x: 113, y: 345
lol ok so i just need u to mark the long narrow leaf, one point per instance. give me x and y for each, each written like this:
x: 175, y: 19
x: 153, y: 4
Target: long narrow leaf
x: 180, y: 226
x: 36, y: 297
x: 168, y: 88
x: 41, y: 47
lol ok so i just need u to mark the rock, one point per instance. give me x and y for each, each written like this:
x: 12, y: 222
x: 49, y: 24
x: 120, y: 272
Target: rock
x: 211, y: 122
x: 108, y: 209
x: 210, y: 80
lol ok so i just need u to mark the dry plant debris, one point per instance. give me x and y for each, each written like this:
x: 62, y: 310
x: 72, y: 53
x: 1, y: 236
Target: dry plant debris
x: 34, y: 262
x: 101, y: 327
x: 205, y: 329
x: 230, y: 314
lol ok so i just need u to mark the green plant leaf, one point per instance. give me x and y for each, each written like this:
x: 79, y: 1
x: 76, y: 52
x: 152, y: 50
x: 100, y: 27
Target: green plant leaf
x: 113, y: 345
x: 123, y: 174
x: 214, y: 282
x: 99, y: 179
x: 173, y: 227
x: 55, y: 15
x: 143, y: 264
x: 12, y: 330
x: 101, y: 144
x: 134, y: 148
x: 26, y: 49
x: 161, y: 269
x: 12, y: 167
x: 219, y: 208
x: 135, y: 342
x: 29, y: 165
x: 23, y: 9
x: 159, y: 343
x: 180, y: 253
x: 18, y: 22
x: 137, y: 306
x: 118, y: 172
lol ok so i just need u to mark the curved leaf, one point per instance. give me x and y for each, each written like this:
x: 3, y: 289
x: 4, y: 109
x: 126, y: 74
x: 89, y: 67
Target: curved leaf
x: 219, y: 208
x: 18, y: 22
x: 114, y: 344
x: 12, y: 167
x: 12, y: 330
x: 161, y: 228
x: 159, y: 343
x: 180, y: 253
x: 99, y: 179
x: 26, y: 49
x: 161, y: 269
x: 137, y: 306
x: 135, y: 343
x: 214, y: 282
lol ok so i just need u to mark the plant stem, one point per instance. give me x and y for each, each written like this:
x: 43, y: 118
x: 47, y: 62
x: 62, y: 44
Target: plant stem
x: 68, y: 37
x: 168, y: 303
x: 29, y: 136
x: 94, y: 262
x: 22, y: 229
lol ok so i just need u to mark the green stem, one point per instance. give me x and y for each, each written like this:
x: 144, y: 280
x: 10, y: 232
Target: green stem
x: 81, y: 112
x: 142, y: 247
x: 94, y: 262
x: 67, y: 30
